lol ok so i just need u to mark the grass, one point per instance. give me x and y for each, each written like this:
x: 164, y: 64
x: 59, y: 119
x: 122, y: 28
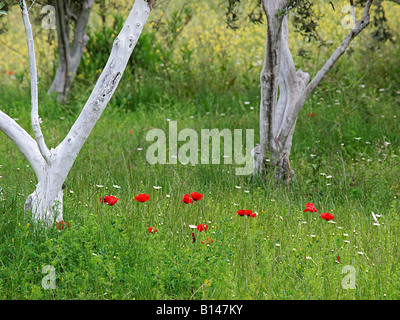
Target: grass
x: 341, y: 157
x: 108, y: 253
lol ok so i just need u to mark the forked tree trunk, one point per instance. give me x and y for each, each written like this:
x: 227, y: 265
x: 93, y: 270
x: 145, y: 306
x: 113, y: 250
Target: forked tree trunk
x: 279, y: 112
x: 69, y: 56
x: 52, y: 166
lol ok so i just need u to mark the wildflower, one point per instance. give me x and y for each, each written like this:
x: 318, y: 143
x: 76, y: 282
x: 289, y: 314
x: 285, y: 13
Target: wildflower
x: 194, y: 238
x: 196, y: 196
x: 246, y: 213
x: 111, y: 200
x: 208, y: 241
x: 61, y: 225
x: 310, y: 207
x: 187, y: 199
x: 151, y: 230
x: 10, y: 73
x: 312, y: 114
x: 327, y: 216
x: 243, y: 212
x: 142, y: 197
x: 253, y: 214
x: 202, y: 227
x: 338, y: 258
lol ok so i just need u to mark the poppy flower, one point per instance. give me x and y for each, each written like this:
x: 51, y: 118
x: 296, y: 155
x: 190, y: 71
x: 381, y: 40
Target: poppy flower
x: 327, y: 216
x: 61, y: 225
x: 253, y: 214
x: 338, y: 258
x: 151, y: 230
x: 245, y: 213
x: 111, y: 200
x: 202, y: 227
x: 310, y: 208
x: 10, y: 73
x: 142, y: 197
x: 208, y: 241
x: 196, y: 196
x: 194, y: 238
x: 187, y: 199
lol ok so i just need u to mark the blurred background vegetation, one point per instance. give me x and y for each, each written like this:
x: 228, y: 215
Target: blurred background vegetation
x: 192, y: 40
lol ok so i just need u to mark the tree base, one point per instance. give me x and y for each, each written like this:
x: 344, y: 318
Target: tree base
x: 278, y: 165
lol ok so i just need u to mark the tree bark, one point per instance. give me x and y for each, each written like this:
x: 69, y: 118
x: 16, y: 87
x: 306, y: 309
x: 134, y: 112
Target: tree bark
x: 69, y: 56
x: 278, y: 115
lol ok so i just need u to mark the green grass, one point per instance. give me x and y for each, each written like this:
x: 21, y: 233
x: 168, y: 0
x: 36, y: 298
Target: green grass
x: 108, y: 253
x: 283, y: 253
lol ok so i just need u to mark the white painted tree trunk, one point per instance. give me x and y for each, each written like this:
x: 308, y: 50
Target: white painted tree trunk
x: 279, y: 113
x: 52, y: 166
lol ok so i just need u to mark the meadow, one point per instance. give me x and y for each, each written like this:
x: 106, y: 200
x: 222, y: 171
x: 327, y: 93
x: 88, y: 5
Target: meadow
x: 345, y: 155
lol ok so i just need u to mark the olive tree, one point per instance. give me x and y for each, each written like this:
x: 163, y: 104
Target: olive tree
x: 53, y: 165
x: 284, y: 90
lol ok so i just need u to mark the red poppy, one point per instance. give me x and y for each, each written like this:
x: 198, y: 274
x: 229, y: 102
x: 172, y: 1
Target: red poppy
x: 202, y: 227
x: 111, y: 200
x: 187, y: 199
x: 208, y: 241
x: 310, y: 207
x: 194, y: 238
x: 327, y: 216
x: 338, y: 258
x: 151, y: 230
x: 10, y: 73
x: 130, y: 131
x: 246, y: 213
x: 61, y: 225
x: 196, y: 196
x: 312, y: 114
x: 253, y: 214
x: 142, y: 197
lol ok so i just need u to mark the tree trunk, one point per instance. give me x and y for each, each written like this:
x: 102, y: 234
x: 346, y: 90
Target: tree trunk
x: 69, y: 57
x: 278, y: 115
x: 52, y: 166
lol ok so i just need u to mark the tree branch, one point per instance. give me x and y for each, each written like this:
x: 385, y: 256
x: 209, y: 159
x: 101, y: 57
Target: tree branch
x: 25, y: 143
x: 34, y: 84
x: 359, y: 26
x: 107, y: 83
